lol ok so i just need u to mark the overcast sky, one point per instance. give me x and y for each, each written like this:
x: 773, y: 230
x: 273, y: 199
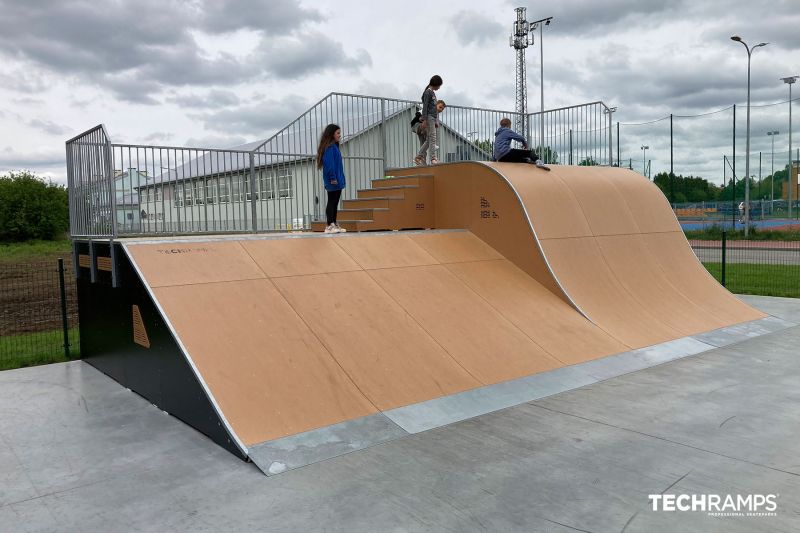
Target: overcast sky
x: 223, y: 72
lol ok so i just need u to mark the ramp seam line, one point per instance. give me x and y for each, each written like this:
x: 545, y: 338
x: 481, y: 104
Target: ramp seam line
x: 428, y: 333
x: 314, y: 333
x: 658, y: 264
x: 499, y: 312
x: 608, y: 266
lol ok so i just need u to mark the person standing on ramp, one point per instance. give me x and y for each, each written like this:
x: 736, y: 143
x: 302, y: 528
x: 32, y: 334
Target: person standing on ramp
x: 430, y: 117
x: 329, y: 160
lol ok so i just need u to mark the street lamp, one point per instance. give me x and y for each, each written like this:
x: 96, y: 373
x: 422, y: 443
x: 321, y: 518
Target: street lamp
x: 789, y: 81
x: 541, y: 23
x: 644, y: 158
x: 747, y: 161
x: 772, y: 135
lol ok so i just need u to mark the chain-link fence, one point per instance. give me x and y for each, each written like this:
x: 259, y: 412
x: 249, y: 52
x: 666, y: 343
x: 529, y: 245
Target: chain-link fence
x: 768, y: 268
x: 38, y: 313
x: 713, y: 146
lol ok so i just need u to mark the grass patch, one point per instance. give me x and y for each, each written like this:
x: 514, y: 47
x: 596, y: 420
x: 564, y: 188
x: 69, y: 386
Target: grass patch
x: 25, y: 251
x: 714, y: 233
x: 31, y: 349
x: 764, y: 280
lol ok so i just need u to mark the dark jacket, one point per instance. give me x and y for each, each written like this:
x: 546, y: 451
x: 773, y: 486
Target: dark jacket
x: 502, y: 141
x: 429, y: 105
x: 333, y: 168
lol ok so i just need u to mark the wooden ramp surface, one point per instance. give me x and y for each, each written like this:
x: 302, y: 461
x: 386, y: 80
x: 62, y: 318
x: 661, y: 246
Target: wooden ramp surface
x: 295, y: 334
x: 531, y: 271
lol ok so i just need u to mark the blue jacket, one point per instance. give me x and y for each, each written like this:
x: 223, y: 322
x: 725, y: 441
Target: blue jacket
x: 502, y: 141
x: 333, y: 168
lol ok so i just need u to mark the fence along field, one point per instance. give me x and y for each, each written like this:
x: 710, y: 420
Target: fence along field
x: 33, y: 313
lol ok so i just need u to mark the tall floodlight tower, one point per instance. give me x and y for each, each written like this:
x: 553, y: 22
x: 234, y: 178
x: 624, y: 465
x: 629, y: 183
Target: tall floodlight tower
x: 521, y: 37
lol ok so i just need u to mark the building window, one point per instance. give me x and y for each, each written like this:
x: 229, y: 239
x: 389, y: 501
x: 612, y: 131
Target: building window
x: 211, y: 192
x: 265, y: 185
x: 177, y: 193
x: 199, y: 192
x: 284, y: 182
x: 224, y: 196
x: 235, y: 186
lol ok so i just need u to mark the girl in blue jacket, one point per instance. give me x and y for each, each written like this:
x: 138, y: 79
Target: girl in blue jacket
x: 329, y: 159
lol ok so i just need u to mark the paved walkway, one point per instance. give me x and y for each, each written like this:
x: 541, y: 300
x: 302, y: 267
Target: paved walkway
x: 80, y: 453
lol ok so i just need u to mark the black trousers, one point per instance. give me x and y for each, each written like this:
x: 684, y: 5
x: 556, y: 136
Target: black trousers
x: 517, y: 155
x: 333, y: 206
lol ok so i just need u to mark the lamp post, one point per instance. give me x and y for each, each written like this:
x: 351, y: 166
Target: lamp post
x: 541, y: 23
x: 747, y: 160
x: 790, y: 81
x: 644, y: 158
x: 772, y: 135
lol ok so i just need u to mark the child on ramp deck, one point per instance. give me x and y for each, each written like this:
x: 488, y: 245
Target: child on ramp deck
x: 329, y: 159
x: 505, y: 154
x: 430, y: 117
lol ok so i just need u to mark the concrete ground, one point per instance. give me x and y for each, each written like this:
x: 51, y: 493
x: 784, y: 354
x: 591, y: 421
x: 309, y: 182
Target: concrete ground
x: 80, y: 453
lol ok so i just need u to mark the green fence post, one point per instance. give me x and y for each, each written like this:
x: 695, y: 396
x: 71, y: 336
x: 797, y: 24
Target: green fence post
x: 64, y: 324
x: 724, y: 248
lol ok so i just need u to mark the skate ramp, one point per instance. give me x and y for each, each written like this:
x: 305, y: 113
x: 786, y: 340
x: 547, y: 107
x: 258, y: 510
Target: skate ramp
x: 311, y: 346
x: 291, y: 335
x: 603, y: 239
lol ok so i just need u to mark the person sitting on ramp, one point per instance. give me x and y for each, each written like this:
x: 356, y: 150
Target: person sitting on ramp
x: 503, y: 152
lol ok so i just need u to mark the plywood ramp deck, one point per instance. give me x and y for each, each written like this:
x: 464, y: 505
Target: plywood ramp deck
x: 603, y: 239
x: 296, y: 334
x: 529, y: 272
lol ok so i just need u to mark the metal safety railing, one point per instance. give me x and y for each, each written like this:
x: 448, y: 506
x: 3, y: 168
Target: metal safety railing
x: 274, y: 185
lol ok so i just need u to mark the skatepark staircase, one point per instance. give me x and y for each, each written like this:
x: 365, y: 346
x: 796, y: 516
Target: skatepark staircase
x: 393, y: 203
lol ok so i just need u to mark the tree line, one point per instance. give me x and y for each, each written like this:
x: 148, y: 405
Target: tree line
x: 32, y: 208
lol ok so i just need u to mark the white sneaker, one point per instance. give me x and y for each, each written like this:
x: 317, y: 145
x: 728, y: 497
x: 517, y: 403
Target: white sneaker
x: 331, y: 229
x: 339, y: 229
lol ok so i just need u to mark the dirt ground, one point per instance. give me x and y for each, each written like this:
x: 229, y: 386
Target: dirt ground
x: 30, y: 298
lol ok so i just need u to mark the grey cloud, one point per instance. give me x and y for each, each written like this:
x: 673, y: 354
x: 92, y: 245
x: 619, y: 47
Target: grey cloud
x: 590, y: 17
x: 473, y: 28
x: 137, y: 57
x: 259, y: 119
x: 215, y: 141
x: 299, y: 56
x: 11, y: 159
x: 158, y: 137
x: 212, y: 99
x: 277, y: 17
x: 49, y: 127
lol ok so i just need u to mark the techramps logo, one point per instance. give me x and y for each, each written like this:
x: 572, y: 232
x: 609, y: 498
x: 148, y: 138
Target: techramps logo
x: 718, y: 505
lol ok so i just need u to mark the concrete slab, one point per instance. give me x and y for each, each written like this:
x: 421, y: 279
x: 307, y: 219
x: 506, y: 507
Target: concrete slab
x: 280, y: 455
x: 741, y: 332
x: 101, y: 459
x: 786, y: 308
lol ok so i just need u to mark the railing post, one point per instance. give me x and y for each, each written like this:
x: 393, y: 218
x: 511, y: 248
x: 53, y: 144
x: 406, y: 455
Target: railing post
x: 724, y: 249
x: 383, y: 136
x: 113, y: 183
x: 64, y: 324
x: 253, y: 192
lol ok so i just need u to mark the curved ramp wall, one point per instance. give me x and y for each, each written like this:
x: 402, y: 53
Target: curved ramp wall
x: 603, y: 239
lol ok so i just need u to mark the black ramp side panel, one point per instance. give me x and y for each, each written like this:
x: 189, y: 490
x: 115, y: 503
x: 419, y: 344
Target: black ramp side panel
x: 160, y: 373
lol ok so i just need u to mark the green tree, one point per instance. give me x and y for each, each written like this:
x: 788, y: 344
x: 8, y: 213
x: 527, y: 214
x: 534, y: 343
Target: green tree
x: 31, y: 208
x: 588, y: 162
x: 547, y: 154
x: 687, y: 188
x: 486, y: 145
